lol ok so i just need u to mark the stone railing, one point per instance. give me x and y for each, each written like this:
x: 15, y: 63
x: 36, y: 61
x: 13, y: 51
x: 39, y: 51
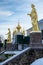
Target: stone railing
x: 19, y: 59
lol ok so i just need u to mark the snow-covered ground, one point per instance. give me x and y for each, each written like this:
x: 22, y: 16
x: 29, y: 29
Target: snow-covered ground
x: 38, y: 62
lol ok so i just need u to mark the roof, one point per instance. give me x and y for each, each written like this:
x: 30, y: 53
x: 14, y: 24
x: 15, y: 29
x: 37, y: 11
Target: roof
x: 41, y: 21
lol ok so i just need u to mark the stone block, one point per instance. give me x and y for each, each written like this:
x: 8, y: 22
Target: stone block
x: 35, y: 38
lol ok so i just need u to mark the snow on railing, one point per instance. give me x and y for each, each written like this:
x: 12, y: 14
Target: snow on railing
x: 14, y: 56
x: 2, y: 52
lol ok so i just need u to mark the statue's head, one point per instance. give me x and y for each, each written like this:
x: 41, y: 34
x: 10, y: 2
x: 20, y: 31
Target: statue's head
x: 32, y: 5
x: 8, y: 28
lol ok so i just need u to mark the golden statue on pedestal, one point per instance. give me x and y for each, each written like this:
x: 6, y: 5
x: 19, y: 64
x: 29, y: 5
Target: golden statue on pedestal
x: 9, y: 36
x: 34, y: 18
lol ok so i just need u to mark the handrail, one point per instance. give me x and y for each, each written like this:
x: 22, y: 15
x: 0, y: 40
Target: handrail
x: 2, y: 52
x: 14, y: 56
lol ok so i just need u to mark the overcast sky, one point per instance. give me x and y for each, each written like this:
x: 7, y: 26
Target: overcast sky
x: 12, y: 11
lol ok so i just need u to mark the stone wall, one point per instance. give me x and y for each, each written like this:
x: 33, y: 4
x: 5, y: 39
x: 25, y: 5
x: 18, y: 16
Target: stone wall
x: 28, y: 57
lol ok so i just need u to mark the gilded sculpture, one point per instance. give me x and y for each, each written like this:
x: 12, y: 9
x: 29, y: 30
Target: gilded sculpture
x: 18, y: 27
x: 34, y: 18
x: 9, y: 36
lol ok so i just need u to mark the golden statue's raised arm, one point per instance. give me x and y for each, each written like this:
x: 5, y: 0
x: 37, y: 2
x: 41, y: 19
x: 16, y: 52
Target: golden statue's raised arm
x: 34, y: 18
x: 29, y: 15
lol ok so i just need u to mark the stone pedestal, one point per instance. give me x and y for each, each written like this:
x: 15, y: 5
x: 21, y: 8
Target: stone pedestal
x: 9, y: 46
x: 35, y: 39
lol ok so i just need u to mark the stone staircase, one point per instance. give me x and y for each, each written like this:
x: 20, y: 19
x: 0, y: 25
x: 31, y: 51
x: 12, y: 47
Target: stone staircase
x: 20, y: 58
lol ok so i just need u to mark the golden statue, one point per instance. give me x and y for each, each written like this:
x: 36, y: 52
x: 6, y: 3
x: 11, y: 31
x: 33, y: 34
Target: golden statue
x: 34, y: 18
x: 9, y: 36
x: 18, y: 27
x: 23, y: 32
x: 15, y: 31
